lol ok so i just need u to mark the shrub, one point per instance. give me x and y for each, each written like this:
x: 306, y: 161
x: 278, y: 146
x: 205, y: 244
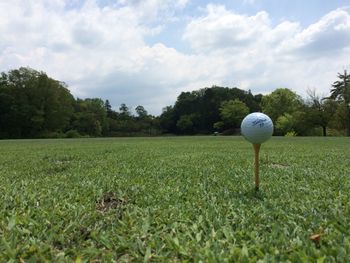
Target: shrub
x: 73, y: 134
x: 291, y: 134
x: 51, y: 135
x: 335, y: 132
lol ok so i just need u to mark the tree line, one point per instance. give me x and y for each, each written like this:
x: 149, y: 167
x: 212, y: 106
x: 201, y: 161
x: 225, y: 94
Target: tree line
x: 221, y: 110
x: 33, y: 105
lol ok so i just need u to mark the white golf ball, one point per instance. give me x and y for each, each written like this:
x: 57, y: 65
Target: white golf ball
x: 257, y: 127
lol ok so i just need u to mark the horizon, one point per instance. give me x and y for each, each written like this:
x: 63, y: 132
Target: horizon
x: 148, y: 52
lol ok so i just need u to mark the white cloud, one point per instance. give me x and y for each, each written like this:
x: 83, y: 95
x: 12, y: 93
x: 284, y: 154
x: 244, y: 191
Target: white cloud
x: 220, y: 28
x: 263, y: 57
x: 331, y: 34
x: 101, y: 51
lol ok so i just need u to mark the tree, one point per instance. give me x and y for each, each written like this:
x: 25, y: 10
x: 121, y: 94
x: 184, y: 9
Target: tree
x: 280, y: 102
x: 301, y: 124
x: 90, y: 117
x: 124, y: 111
x: 341, y: 92
x: 167, y: 120
x: 33, y: 104
x: 205, y: 105
x: 339, y: 119
x: 296, y: 123
x: 321, y: 110
x: 219, y: 126
x: 145, y: 121
x: 108, y: 108
x: 285, y: 124
x: 232, y: 112
x: 185, y: 123
x: 141, y: 112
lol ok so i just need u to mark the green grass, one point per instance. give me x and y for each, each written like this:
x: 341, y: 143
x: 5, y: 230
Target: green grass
x: 185, y: 199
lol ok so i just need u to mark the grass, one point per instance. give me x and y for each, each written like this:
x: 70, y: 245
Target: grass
x: 185, y: 199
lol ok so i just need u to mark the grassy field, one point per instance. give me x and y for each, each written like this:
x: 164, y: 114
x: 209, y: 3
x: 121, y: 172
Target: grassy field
x: 185, y: 199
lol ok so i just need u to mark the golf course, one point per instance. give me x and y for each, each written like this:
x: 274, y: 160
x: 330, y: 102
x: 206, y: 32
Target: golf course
x: 177, y: 199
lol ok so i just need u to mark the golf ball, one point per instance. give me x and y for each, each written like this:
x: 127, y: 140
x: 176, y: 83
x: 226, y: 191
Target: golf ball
x: 257, y: 127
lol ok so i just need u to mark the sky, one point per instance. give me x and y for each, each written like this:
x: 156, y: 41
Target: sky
x: 146, y: 52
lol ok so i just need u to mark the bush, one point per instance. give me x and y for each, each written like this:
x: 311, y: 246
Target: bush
x: 51, y: 135
x: 233, y: 131
x: 317, y: 131
x: 335, y: 132
x: 291, y: 134
x: 73, y: 134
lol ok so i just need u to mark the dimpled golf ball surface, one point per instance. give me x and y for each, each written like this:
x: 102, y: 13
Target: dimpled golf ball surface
x: 257, y: 127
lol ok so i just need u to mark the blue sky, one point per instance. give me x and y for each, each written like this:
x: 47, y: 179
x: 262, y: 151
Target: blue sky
x: 145, y: 52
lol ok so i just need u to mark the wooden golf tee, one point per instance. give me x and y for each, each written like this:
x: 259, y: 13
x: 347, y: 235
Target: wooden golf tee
x: 256, y: 165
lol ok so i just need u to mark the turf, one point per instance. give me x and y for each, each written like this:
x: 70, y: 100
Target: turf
x: 183, y: 199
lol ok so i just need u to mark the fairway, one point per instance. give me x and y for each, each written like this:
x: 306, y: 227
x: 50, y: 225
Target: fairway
x: 174, y: 199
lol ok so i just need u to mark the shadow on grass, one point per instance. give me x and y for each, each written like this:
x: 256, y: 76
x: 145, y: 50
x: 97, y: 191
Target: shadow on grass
x: 250, y: 194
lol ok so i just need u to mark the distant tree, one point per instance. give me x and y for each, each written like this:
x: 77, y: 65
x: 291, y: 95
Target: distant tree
x: 204, y: 104
x: 141, y: 112
x: 124, y: 111
x: 284, y: 124
x: 280, y: 102
x: 301, y: 124
x: 232, y: 112
x: 185, y: 124
x: 33, y: 104
x: 340, y: 117
x: 341, y: 92
x: 108, y: 108
x: 321, y: 110
x: 168, y: 119
x: 55, y: 104
x: 155, y: 126
x: 145, y: 122
x: 212, y: 100
x: 97, y: 128
x: 296, y: 122
x: 90, y: 117
x: 186, y: 103
x: 219, y: 126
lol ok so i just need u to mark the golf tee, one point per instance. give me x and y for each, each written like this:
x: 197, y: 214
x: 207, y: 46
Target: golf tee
x: 256, y: 165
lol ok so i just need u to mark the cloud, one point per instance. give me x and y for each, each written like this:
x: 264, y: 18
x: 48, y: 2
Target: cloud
x: 220, y: 28
x: 330, y: 35
x: 101, y: 50
x: 263, y: 57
